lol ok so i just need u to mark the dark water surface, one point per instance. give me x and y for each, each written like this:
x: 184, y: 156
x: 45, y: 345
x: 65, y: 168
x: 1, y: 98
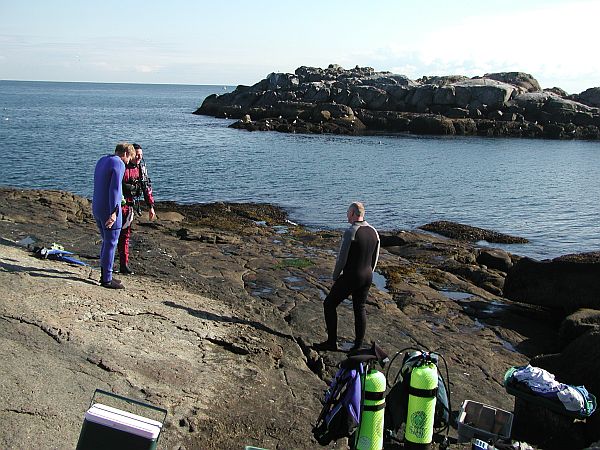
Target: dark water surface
x: 51, y: 135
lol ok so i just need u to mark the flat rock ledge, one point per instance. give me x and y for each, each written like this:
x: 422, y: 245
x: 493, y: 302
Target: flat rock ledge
x: 363, y: 101
x: 471, y: 234
x: 217, y: 324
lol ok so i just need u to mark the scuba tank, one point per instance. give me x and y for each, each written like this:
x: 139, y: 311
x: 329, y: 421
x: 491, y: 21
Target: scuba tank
x: 370, y: 433
x: 421, y: 402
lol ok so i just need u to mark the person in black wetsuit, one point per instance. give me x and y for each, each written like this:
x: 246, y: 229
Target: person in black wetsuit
x: 353, y: 274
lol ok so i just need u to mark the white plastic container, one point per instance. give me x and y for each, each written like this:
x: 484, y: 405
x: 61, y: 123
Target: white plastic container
x: 483, y: 421
x: 106, y: 427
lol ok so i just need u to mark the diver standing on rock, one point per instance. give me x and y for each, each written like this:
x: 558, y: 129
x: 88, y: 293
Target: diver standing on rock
x: 106, y: 206
x: 353, y: 274
x: 136, y: 183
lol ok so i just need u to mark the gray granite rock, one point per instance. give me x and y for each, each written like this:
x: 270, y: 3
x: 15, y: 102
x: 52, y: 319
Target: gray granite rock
x: 501, y: 104
x: 218, y: 322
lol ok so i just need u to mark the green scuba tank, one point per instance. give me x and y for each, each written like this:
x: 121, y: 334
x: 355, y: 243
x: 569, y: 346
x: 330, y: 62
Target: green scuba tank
x: 421, y: 404
x: 370, y: 436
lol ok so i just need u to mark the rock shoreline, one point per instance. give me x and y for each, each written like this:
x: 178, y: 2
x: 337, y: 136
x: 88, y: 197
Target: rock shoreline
x: 218, y: 322
x: 362, y: 101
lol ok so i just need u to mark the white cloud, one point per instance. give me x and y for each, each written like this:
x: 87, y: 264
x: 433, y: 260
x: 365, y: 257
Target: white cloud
x: 143, y: 68
x: 556, y: 44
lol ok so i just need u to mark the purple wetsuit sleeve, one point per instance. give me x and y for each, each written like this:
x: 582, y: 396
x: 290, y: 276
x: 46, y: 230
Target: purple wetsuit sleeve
x: 115, y: 192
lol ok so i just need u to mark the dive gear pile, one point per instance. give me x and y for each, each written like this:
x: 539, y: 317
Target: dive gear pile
x: 356, y: 405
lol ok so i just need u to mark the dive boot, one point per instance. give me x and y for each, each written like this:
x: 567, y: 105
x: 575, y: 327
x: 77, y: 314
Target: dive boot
x: 125, y: 270
x: 112, y: 284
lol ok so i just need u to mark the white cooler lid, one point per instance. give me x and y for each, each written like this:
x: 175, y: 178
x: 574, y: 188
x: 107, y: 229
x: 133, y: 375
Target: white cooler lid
x: 124, y: 421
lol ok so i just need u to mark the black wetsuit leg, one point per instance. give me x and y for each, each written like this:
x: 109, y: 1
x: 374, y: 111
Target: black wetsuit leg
x: 358, y: 287
x: 359, y: 299
x: 340, y: 290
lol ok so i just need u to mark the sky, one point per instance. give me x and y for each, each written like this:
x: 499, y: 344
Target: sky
x: 241, y: 42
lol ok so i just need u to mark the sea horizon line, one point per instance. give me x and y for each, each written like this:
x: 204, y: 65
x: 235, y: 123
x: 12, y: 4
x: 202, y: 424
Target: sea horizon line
x: 118, y: 82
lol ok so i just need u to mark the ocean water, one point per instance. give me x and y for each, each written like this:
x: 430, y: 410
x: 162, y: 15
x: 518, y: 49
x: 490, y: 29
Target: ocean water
x: 51, y: 135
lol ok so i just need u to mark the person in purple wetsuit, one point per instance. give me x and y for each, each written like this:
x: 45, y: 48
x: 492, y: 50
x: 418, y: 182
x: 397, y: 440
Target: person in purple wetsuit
x: 106, y: 206
x: 353, y: 275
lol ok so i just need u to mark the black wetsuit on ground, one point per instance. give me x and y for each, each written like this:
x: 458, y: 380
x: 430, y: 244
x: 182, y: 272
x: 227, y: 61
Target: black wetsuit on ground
x: 356, y: 261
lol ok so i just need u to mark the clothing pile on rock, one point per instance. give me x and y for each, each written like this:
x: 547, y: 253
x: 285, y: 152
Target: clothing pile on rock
x: 543, y: 383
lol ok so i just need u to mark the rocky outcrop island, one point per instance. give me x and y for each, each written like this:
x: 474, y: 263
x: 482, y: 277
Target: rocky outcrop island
x: 363, y: 101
